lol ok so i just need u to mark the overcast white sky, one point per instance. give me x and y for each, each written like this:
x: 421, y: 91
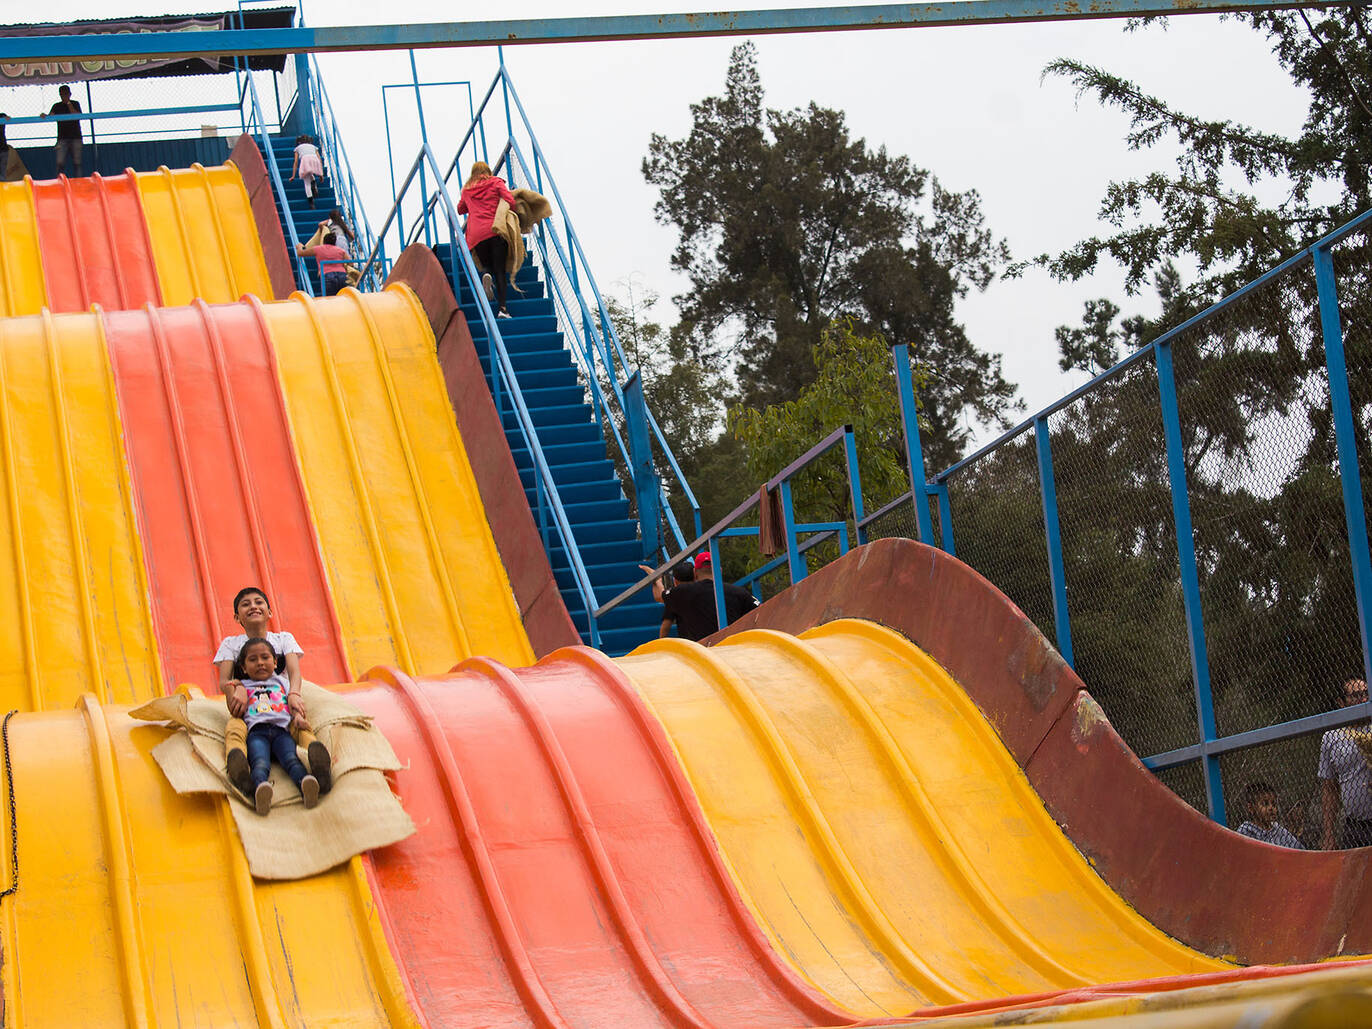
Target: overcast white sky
x: 966, y: 103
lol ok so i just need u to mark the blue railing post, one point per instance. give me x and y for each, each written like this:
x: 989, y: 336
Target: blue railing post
x: 914, y: 448
x: 647, y: 488
x: 303, y: 111
x: 795, y: 561
x: 1190, y: 578
x: 1057, y: 572
x: 424, y: 138
x: 850, y: 458
x: 945, y: 519
x: 1345, y: 437
x: 717, y: 573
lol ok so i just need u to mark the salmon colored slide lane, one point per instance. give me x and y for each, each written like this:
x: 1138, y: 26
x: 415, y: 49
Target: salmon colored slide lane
x: 219, y: 498
x: 95, y: 243
x: 597, y: 897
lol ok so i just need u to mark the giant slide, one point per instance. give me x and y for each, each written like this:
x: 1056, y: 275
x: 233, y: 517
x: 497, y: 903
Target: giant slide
x: 881, y: 798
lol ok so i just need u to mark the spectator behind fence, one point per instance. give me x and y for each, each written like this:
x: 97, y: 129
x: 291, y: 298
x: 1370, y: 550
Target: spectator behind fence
x: 1260, y: 803
x: 1345, y: 780
x: 68, y: 132
x: 331, y: 261
x: 481, y: 196
x: 692, y: 604
x: 683, y: 572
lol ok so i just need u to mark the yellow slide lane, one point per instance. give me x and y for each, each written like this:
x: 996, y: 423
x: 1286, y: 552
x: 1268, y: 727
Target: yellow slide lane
x: 879, y: 830
x: 22, y: 289
x: 72, y: 579
x: 204, y: 238
x: 145, y: 900
x: 416, y: 577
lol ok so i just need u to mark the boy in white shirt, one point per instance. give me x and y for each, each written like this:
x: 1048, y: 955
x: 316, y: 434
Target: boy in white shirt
x: 252, y: 610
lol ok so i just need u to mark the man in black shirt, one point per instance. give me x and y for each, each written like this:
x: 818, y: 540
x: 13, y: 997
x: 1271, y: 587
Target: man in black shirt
x: 68, y: 132
x: 692, y: 604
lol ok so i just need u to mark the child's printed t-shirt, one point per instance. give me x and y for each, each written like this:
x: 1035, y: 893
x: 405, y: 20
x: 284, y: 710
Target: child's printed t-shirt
x: 267, y: 702
x: 282, y: 642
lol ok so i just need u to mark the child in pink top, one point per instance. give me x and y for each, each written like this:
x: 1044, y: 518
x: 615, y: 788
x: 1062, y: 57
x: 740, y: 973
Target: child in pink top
x: 330, y: 259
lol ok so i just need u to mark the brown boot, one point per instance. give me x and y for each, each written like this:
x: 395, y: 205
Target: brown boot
x: 262, y: 797
x: 321, y: 765
x: 239, y: 772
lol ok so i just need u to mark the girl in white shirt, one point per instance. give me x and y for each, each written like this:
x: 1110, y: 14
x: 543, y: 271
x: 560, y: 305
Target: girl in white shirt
x: 269, y: 718
x: 307, y: 165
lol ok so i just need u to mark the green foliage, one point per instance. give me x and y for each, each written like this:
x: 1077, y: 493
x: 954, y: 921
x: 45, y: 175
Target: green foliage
x: 787, y: 224
x: 854, y: 384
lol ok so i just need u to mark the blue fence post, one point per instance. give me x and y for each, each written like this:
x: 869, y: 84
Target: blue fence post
x: 1190, y: 577
x: 945, y: 519
x: 303, y: 111
x: 795, y: 560
x: 1057, y: 572
x: 850, y: 457
x: 914, y: 448
x: 424, y: 137
x: 1345, y: 438
x: 647, y: 489
x: 717, y: 573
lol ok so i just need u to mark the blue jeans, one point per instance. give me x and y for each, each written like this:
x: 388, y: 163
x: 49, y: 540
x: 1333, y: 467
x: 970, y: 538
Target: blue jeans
x: 271, y: 741
x: 68, y: 148
x: 334, y: 282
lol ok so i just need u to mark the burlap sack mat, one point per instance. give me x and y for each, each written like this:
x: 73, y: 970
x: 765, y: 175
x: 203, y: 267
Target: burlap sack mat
x: 360, y: 812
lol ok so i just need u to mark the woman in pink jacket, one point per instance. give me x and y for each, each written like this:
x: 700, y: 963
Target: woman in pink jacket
x: 481, y: 195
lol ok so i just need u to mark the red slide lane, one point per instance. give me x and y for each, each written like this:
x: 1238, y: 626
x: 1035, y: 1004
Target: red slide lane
x: 94, y: 239
x: 219, y: 498
x: 563, y: 873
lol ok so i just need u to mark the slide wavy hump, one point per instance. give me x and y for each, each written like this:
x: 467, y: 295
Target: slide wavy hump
x: 95, y: 243
x: 416, y: 576
x: 1223, y: 893
x: 22, y: 289
x: 881, y: 833
x: 71, y: 573
x: 203, y: 235
x: 563, y: 874
x: 137, y: 908
x: 220, y: 501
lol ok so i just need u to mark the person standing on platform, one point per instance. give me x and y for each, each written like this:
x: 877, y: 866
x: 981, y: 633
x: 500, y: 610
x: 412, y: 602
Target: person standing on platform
x: 68, y: 132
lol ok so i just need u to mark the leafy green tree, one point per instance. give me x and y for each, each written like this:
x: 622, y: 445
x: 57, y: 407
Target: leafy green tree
x: 787, y: 224
x: 854, y: 384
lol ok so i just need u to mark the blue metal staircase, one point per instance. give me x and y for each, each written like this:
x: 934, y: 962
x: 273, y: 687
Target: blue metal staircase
x: 605, y: 532
x: 304, y: 218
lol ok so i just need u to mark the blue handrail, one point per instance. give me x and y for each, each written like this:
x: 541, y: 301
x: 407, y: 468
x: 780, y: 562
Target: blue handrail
x: 580, y: 268
x: 302, y: 273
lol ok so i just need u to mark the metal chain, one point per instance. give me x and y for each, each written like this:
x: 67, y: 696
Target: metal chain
x: 14, y: 820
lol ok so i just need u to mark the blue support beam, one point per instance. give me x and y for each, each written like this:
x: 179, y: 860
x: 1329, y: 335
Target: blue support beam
x: 1190, y: 576
x: 914, y: 448
x: 647, y: 486
x: 324, y: 39
x: 1057, y: 571
x: 1346, y: 440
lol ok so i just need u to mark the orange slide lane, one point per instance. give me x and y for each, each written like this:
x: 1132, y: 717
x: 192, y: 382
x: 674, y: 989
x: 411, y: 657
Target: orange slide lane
x: 95, y: 243
x: 219, y: 498
x: 564, y: 874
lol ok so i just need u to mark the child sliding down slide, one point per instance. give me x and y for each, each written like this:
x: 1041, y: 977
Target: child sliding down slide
x: 252, y: 610
x: 268, y: 717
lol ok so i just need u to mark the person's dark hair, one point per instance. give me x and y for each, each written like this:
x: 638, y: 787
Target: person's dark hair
x: 239, y: 672
x: 336, y: 216
x: 330, y: 238
x: 1255, y: 789
x: 303, y: 138
x: 64, y: 89
x: 684, y: 572
x: 247, y: 590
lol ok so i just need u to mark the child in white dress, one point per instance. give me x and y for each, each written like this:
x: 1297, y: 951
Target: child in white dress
x: 307, y: 165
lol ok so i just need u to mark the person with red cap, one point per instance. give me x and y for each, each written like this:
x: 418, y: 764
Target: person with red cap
x: 691, y: 605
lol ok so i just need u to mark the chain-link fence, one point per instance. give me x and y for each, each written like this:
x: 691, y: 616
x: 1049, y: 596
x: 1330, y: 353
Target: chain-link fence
x: 997, y: 518
x: 1239, y: 432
